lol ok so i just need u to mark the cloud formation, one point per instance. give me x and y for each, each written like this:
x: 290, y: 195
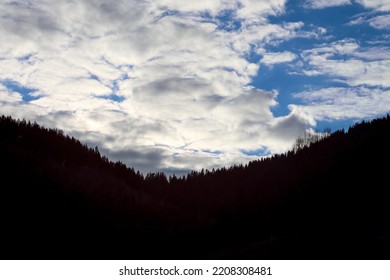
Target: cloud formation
x: 347, y: 62
x: 362, y: 70
x: 167, y: 85
x: 344, y: 103
x: 380, y: 22
x: 380, y: 5
x: 158, y: 84
x: 274, y: 58
x: 321, y: 4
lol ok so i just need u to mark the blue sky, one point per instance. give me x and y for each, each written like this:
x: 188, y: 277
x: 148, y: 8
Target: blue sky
x: 337, y: 29
x: 175, y: 85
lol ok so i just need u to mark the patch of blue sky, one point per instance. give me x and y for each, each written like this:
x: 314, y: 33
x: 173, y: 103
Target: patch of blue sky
x: 115, y: 83
x: 335, y: 125
x: 339, y: 26
x: 166, y: 13
x: 113, y: 97
x: 227, y: 21
x: 94, y: 77
x: 213, y: 152
x: 25, y: 92
x: 260, y: 152
x: 329, y: 17
x: 252, y: 56
x: 25, y: 57
x: 278, y: 77
x: 116, y: 88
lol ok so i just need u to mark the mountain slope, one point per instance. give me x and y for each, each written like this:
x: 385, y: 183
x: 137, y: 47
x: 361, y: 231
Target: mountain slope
x: 61, y: 199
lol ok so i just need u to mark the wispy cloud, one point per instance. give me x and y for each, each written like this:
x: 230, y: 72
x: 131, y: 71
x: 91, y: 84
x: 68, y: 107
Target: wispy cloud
x: 372, y: 19
x: 281, y: 57
x: 344, y: 103
x: 321, y: 4
x: 345, y: 60
x: 379, y: 5
x: 362, y: 70
x: 380, y: 22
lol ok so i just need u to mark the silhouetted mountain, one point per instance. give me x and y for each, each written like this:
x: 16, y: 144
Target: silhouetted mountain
x: 61, y: 199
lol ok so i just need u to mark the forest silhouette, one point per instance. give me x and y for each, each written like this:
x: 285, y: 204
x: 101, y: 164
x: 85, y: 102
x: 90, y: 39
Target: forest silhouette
x: 61, y: 199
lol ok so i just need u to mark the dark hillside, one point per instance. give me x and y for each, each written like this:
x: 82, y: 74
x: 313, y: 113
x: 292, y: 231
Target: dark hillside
x: 61, y: 199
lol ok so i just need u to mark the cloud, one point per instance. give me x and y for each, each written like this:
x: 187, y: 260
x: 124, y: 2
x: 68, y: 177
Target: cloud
x: 358, y: 20
x: 183, y: 77
x: 363, y: 71
x: 253, y: 12
x: 380, y: 22
x: 347, y: 62
x: 281, y: 57
x: 378, y: 53
x: 321, y: 4
x: 343, y: 47
x: 378, y: 18
x: 190, y: 6
x: 379, y: 5
x: 9, y: 97
x: 344, y: 103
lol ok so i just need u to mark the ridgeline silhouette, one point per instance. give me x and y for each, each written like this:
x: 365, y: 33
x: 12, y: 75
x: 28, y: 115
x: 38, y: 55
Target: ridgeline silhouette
x: 62, y: 200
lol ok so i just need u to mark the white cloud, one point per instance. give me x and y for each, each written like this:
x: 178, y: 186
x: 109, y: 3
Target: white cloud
x: 8, y: 97
x: 343, y: 47
x: 194, y: 6
x: 183, y: 77
x: 256, y: 11
x: 321, y: 4
x: 380, y: 5
x: 357, y: 20
x: 372, y: 19
x: 281, y: 57
x: 380, y: 22
x: 344, y: 103
x: 346, y: 61
x: 378, y: 53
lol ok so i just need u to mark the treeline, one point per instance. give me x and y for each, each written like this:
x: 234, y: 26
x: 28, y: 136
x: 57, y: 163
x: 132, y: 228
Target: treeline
x: 328, y: 200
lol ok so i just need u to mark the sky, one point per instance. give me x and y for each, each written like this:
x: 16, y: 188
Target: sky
x: 177, y: 85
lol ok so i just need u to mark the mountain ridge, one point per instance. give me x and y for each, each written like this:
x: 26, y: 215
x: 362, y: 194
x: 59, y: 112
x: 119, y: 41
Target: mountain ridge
x: 323, y: 201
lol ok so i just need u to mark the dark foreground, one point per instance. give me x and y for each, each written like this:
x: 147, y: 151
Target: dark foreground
x: 62, y: 200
